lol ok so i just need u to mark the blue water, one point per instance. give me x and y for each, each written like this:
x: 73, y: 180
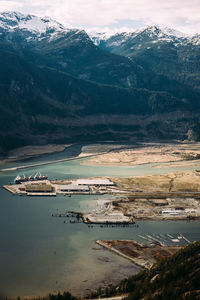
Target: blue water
x: 41, y: 254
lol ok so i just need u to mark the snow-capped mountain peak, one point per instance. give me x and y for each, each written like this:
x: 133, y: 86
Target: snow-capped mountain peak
x: 146, y: 35
x: 44, y: 27
x: 14, y: 20
x: 172, y: 32
x: 160, y: 33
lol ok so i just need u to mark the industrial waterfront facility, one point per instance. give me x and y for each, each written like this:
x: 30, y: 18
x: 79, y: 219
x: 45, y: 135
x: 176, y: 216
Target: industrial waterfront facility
x: 132, y: 205
x: 52, y: 188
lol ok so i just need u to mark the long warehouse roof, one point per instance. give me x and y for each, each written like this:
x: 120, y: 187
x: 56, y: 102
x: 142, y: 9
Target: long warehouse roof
x: 74, y: 187
x: 94, y: 182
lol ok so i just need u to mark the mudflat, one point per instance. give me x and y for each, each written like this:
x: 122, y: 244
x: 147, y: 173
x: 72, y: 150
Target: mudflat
x: 32, y: 151
x: 148, y: 153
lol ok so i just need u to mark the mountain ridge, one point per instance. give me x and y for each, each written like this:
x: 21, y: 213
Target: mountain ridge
x: 11, y: 20
x: 161, y: 32
x: 50, y: 79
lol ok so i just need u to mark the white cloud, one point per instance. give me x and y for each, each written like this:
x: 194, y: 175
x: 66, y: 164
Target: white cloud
x: 180, y: 14
x: 10, y: 5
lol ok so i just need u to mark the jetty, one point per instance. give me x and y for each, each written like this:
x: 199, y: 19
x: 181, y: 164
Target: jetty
x: 143, y: 255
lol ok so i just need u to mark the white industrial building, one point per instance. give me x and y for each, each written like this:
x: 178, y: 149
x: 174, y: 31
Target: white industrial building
x: 179, y: 212
x: 95, y: 182
x: 171, y: 212
x: 74, y: 188
x: 190, y: 211
x: 111, y: 217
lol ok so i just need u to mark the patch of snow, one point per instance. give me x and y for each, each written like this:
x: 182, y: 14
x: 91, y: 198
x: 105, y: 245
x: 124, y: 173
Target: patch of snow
x: 14, y: 20
x: 97, y: 37
x: 34, y: 24
x: 129, y: 82
x: 173, y: 32
x: 195, y: 40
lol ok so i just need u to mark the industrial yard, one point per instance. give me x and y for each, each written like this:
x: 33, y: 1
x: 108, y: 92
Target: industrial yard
x: 129, y: 210
x: 143, y: 255
x: 108, y: 214
x: 173, y: 196
x: 165, y: 206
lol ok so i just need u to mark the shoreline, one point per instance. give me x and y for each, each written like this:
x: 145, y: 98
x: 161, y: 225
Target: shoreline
x: 35, y: 151
x: 148, y: 183
x: 179, y: 153
x: 46, y: 163
x: 115, y: 155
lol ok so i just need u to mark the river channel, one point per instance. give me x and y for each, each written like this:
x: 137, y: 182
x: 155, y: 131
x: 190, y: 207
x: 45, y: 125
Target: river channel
x: 40, y: 254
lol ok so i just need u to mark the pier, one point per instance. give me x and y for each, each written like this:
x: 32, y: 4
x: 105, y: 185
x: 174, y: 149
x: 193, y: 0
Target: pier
x: 143, y: 255
x: 82, y: 218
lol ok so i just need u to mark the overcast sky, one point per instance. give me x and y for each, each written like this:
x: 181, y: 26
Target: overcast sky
x: 183, y: 15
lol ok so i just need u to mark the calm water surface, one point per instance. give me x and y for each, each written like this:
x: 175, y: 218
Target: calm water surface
x: 40, y: 254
